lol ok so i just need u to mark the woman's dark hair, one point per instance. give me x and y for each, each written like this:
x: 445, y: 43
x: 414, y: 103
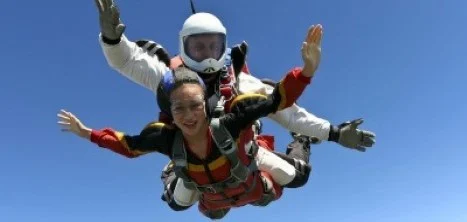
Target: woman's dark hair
x: 171, y: 81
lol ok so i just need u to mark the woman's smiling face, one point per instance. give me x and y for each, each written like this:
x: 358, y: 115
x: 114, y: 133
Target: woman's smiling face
x: 188, y: 108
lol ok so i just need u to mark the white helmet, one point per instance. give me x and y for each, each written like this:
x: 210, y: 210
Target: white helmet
x: 203, y: 23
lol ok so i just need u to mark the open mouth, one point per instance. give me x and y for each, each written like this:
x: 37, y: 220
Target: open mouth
x: 190, y: 125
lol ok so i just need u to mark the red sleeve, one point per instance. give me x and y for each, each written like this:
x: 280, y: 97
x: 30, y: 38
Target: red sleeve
x: 291, y: 87
x: 112, y: 140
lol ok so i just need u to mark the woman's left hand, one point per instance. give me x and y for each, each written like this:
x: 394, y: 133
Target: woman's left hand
x: 311, y: 50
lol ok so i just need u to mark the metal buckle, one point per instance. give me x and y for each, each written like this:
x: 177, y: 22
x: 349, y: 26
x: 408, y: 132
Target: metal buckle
x: 211, y: 189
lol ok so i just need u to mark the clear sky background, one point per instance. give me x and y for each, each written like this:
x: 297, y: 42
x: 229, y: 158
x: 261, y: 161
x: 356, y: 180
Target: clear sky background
x: 399, y: 64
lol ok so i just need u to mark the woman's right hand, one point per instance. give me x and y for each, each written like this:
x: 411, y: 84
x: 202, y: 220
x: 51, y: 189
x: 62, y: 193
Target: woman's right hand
x: 70, y: 123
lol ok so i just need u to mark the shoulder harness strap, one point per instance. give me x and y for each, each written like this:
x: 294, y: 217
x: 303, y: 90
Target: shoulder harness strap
x: 228, y: 147
x: 180, y: 162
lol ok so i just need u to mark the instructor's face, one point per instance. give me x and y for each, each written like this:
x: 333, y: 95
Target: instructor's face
x: 204, y: 46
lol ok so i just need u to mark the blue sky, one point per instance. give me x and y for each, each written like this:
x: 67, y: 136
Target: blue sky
x: 401, y: 65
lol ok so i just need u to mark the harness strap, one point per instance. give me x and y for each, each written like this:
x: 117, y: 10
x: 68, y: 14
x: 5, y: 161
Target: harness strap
x: 180, y: 162
x: 239, y: 196
x: 228, y: 147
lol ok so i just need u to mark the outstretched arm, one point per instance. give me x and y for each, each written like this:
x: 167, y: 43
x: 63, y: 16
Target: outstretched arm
x: 247, y: 108
x: 154, y: 137
x: 299, y: 120
x: 123, y: 55
x: 245, y: 111
x: 293, y: 118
